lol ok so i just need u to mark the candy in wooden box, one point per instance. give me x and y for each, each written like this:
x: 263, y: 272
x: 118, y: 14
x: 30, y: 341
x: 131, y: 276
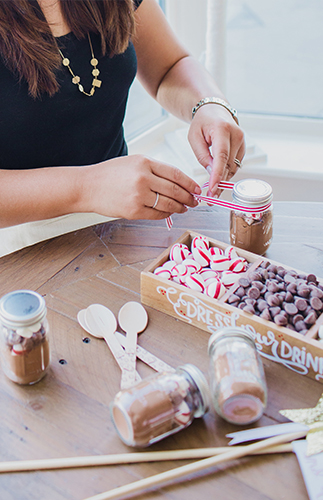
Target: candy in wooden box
x: 209, y: 284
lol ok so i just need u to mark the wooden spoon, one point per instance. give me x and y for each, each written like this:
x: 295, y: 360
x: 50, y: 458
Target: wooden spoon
x: 133, y: 319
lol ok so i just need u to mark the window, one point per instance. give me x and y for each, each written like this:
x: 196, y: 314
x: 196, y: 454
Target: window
x: 272, y: 57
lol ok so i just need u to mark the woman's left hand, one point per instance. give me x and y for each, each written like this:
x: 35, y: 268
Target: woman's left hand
x: 217, y: 142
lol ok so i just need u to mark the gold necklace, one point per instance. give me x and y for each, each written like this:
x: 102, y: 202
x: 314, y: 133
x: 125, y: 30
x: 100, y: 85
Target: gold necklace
x: 77, y: 80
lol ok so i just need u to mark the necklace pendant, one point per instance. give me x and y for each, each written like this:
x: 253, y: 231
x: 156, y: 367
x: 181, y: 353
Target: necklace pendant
x: 76, y: 79
x: 81, y: 88
x: 96, y: 83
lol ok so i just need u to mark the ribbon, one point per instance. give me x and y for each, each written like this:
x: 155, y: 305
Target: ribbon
x: 224, y: 204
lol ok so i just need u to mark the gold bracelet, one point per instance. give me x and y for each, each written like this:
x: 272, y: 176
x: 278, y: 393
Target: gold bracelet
x: 216, y: 100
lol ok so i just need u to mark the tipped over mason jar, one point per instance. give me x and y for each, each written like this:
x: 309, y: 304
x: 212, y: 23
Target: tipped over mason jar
x: 24, y: 347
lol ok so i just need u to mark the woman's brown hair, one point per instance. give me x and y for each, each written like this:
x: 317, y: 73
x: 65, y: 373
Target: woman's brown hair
x: 28, y: 47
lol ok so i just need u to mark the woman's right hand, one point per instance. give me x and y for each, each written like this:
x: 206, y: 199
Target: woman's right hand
x: 127, y: 187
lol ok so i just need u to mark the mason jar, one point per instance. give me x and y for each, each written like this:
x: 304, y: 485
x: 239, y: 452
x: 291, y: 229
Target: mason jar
x: 24, y: 347
x: 237, y: 379
x: 252, y: 231
x: 160, y: 405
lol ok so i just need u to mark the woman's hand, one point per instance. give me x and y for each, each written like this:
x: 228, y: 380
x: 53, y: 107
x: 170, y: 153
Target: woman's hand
x: 129, y: 187
x: 217, y: 141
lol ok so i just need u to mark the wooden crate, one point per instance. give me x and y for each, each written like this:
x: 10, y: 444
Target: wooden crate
x: 302, y: 354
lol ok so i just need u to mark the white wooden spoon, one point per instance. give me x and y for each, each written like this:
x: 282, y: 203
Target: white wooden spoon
x: 133, y: 319
x: 102, y: 323
x: 147, y: 357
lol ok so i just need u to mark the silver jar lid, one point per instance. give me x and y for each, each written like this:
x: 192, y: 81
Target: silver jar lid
x: 254, y: 192
x: 201, y: 384
x: 22, y: 308
x: 229, y: 332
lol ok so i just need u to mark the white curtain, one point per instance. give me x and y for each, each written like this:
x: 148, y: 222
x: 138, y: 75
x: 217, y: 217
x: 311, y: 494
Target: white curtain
x: 216, y: 40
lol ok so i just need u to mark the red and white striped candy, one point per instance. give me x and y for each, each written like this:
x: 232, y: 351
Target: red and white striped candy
x: 182, y: 415
x: 209, y: 274
x: 202, y: 256
x: 229, y: 278
x: 214, y: 251
x: 238, y: 265
x: 179, y: 252
x: 220, y: 263
x: 179, y: 273
x: 169, y: 264
x: 231, y: 253
x: 192, y: 266
x: 215, y: 289
x: 163, y: 272
x: 199, y: 242
x: 195, y: 282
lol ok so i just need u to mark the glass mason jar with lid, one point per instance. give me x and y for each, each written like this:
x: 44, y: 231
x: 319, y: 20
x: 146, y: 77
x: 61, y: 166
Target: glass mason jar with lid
x: 24, y: 346
x: 252, y: 231
x: 160, y: 405
x: 238, y: 385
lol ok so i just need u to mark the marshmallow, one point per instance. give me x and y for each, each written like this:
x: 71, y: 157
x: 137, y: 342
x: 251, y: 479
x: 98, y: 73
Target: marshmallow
x: 215, y: 289
x: 200, y: 242
x: 220, y: 263
x: 162, y: 272
x: 238, y: 265
x: 231, y: 253
x: 229, y: 278
x: 195, y: 282
x: 179, y: 252
x: 202, y: 256
x: 192, y: 265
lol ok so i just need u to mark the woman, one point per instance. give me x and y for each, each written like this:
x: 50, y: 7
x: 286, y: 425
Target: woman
x: 64, y: 78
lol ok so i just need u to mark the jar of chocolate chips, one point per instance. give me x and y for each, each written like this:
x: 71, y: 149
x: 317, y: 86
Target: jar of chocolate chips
x: 24, y: 347
x: 252, y: 231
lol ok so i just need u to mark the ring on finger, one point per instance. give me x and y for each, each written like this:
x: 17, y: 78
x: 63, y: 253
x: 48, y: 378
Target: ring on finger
x: 237, y: 162
x: 156, y: 201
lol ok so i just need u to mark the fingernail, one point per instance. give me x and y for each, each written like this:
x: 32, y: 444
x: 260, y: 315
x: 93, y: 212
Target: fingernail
x: 197, y: 190
x: 209, y: 169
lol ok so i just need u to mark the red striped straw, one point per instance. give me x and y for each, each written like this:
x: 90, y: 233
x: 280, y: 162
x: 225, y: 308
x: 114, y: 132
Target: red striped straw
x: 224, y: 204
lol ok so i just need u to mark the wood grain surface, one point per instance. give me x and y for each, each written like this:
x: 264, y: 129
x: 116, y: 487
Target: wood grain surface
x: 67, y: 413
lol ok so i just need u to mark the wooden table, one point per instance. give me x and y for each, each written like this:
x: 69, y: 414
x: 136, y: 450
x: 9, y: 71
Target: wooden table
x: 67, y: 413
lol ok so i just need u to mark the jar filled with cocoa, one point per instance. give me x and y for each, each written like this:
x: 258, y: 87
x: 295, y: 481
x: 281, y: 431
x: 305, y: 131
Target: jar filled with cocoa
x: 252, y: 231
x: 24, y: 347
x: 160, y: 405
x: 237, y: 379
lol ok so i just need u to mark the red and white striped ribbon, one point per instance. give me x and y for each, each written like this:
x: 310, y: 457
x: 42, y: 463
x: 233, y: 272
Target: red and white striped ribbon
x: 224, y: 204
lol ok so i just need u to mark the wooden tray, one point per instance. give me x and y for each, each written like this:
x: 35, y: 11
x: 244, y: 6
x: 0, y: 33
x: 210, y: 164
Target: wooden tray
x: 302, y: 354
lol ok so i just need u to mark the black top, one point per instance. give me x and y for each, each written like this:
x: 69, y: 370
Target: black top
x: 69, y: 128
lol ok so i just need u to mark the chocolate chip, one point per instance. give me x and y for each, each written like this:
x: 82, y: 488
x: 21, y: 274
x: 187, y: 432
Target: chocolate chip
x: 273, y: 300
x: 288, y: 278
x: 290, y: 308
x: 274, y: 311
x: 233, y: 298
x: 254, y: 276
x: 262, y: 305
x: 291, y: 288
x: 311, y: 278
x: 300, y: 325
x: 281, y: 271
x: 280, y: 320
x: 271, y: 275
x: 249, y: 309
x: 303, y: 291
x: 272, y: 268
x: 265, y: 264
x: 244, y: 282
x: 259, y: 285
x: 250, y: 302
x: 316, y: 303
x: 310, y: 318
x: 253, y: 293
x: 272, y: 287
x: 240, y: 291
x: 300, y: 303
x: 289, y: 297
x: 316, y: 292
x: 266, y: 315
x: 296, y: 318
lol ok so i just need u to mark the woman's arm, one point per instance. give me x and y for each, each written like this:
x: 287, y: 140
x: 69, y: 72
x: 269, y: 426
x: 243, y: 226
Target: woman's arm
x: 124, y: 187
x: 179, y: 82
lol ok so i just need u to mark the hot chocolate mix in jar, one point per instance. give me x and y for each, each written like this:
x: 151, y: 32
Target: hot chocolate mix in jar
x: 160, y: 405
x: 252, y: 231
x: 24, y: 347
x: 238, y: 385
